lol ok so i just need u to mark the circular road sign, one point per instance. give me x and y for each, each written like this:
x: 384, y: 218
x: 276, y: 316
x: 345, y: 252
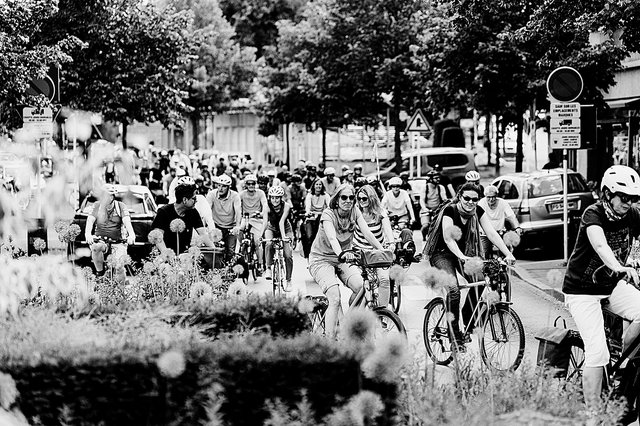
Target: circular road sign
x: 564, y: 84
x: 42, y: 86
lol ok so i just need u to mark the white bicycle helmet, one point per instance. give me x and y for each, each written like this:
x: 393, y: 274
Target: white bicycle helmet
x: 329, y: 171
x: 224, y: 180
x: 271, y: 173
x: 621, y: 179
x: 276, y: 191
x: 472, y: 176
x: 250, y: 178
x: 186, y: 180
x: 357, y: 166
x: 394, y: 181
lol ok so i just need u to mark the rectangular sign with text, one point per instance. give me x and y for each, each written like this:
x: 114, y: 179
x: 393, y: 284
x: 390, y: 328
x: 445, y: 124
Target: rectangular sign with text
x: 564, y: 141
x: 565, y: 110
x: 565, y: 125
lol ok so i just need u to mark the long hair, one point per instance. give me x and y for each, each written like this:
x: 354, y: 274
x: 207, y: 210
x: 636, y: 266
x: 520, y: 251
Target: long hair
x: 335, y: 199
x: 313, y: 187
x: 374, y: 208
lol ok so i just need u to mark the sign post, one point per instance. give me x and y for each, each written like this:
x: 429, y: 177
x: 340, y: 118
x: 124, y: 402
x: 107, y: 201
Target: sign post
x: 565, y: 86
x: 415, y: 126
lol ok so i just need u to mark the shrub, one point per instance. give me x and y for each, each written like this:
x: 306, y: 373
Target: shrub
x: 277, y: 316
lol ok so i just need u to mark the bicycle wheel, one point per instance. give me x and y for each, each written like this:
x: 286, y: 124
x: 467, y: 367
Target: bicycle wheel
x: 502, y: 339
x: 388, y: 322
x: 395, y: 297
x: 275, y: 278
x: 318, y: 314
x: 435, y: 332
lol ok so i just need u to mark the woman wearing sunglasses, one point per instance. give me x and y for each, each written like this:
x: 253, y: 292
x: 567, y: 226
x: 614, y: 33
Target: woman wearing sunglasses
x: 338, y: 223
x: 378, y: 222
x: 446, y: 250
x: 606, y: 232
x: 314, y: 204
x: 279, y: 225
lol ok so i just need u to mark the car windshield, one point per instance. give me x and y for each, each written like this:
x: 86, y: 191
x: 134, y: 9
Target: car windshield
x: 134, y: 202
x: 544, y: 186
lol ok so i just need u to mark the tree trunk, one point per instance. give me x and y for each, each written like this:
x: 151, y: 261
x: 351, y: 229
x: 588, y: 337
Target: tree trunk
x: 288, y: 146
x: 124, y: 134
x: 195, y: 124
x: 499, y: 131
x: 487, y: 137
x: 397, y: 144
x: 324, y: 144
x: 519, y: 151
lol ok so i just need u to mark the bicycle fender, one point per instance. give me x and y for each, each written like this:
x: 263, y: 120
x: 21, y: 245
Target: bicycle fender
x: 427, y: 305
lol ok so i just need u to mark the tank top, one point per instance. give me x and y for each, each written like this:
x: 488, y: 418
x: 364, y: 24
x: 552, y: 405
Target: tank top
x: 375, y: 226
x: 318, y: 203
x: 274, y: 217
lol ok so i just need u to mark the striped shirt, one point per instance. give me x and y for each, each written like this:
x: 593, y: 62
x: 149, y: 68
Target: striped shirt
x: 375, y: 227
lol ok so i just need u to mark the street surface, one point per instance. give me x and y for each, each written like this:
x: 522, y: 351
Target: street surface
x: 536, y: 309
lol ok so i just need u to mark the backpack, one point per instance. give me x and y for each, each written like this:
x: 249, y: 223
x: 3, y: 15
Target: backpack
x: 432, y: 234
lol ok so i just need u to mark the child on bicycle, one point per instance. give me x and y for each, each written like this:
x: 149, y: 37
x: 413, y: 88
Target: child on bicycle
x: 335, y: 235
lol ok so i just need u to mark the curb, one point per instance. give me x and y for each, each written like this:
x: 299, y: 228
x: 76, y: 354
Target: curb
x: 524, y: 275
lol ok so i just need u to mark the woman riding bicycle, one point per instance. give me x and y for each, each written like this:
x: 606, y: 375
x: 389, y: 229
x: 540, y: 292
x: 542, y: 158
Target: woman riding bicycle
x: 445, y: 253
x: 379, y: 224
x: 315, y: 203
x: 605, y: 235
x: 338, y: 223
x: 278, y: 225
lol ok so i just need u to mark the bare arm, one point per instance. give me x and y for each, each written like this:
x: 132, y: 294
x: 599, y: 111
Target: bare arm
x: 131, y: 235
x: 387, y: 231
x: 493, y: 236
x: 89, y: 229
x: 447, y: 226
x: 283, y: 220
x: 598, y: 241
x: 307, y: 203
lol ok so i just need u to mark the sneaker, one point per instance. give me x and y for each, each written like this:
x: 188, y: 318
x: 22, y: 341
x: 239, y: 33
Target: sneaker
x: 258, y: 271
x: 267, y: 274
x: 287, y: 286
x: 100, y: 273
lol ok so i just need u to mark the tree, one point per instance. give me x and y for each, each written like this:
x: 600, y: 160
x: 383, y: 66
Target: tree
x: 23, y: 57
x: 133, y: 65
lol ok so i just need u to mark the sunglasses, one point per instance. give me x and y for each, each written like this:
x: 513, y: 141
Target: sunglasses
x: 363, y: 198
x: 394, y: 186
x: 250, y: 183
x: 490, y: 197
x: 470, y: 199
x: 347, y: 197
x: 628, y: 198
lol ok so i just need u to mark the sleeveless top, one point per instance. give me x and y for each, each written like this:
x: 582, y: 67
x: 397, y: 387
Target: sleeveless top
x: 274, y: 217
x: 318, y: 203
x: 376, y: 228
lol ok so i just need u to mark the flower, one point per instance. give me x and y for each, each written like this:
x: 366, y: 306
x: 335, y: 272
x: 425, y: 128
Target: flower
x: 8, y: 391
x: 73, y: 231
x: 455, y: 233
x: 359, y: 324
x: 238, y: 269
x: 149, y: 267
x: 168, y: 254
x: 555, y: 277
x: 435, y: 278
x: 39, y: 244
x: 237, y: 289
x: 177, y: 226
x: 397, y: 274
x: 384, y: 363
x: 365, y: 407
x: 60, y: 226
x: 155, y: 236
x: 306, y: 306
x: 195, y: 251
x: 511, y: 239
x: 200, y: 290
x: 473, y: 266
x: 216, y: 235
x: 491, y: 296
x: 171, y: 364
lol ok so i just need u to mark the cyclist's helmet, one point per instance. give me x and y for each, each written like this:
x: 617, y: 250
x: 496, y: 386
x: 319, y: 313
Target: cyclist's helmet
x: 250, y: 178
x: 404, y: 175
x: 296, y: 178
x: 360, y: 182
x: 433, y: 173
x: 621, y: 179
x: 329, y: 171
x: 263, y: 180
x: 394, y: 181
x: 372, y: 180
x: 186, y: 180
x: 224, y: 180
x: 357, y: 167
x: 472, y: 176
x: 276, y: 191
x: 271, y: 173
x: 110, y: 189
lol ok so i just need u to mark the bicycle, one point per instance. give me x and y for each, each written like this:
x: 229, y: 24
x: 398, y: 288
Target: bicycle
x: 248, y: 248
x: 278, y: 269
x: 366, y: 297
x: 501, y: 330
x: 404, y: 256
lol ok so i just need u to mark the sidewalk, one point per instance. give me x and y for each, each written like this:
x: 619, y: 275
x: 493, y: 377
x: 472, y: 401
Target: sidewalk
x: 545, y: 275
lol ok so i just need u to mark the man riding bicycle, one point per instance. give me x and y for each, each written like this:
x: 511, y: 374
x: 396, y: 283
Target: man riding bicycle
x: 253, y: 202
x: 227, y: 214
x: 499, y: 213
x: 398, y: 203
x: 605, y: 236
x: 109, y: 216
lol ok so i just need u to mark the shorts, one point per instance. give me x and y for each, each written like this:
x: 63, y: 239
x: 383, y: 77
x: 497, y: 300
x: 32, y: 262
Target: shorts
x: 328, y: 273
x: 586, y: 310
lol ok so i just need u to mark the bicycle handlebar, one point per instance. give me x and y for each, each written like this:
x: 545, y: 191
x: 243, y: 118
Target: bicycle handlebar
x: 271, y: 240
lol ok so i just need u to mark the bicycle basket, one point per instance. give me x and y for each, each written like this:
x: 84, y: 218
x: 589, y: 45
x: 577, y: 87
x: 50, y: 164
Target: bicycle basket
x: 377, y: 258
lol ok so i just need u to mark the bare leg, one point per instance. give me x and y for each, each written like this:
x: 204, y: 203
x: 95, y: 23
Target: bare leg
x: 592, y: 386
x: 331, y: 315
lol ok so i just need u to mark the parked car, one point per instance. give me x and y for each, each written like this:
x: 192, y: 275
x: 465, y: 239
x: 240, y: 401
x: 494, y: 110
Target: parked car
x: 142, y: 209
x: 537, y: 200
x: 455, y: 162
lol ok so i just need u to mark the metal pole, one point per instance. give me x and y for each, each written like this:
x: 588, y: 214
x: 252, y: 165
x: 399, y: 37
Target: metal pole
x: 565, y: 211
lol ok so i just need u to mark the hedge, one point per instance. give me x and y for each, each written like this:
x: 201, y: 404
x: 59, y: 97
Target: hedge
x: 118, y: 382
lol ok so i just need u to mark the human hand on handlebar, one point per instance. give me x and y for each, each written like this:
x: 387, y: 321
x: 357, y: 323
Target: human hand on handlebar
x: 510, y: 259
x: 349, y: 257
x: 630, y: 272
x: 131, y: 239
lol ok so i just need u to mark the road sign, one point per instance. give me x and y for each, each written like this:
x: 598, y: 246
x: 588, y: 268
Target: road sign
x: 565, y: 110
x: 38, y: 121
x: 565, y: 125
x: 564, y: 84
x: 418, y: 123
x: 42, y: 86
x: 565, y: 141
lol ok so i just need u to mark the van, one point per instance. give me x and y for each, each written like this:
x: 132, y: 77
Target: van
x: 455, y: 162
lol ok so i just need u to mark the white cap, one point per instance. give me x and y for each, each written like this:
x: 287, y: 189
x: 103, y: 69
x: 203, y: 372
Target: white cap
x: 329, y: 171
